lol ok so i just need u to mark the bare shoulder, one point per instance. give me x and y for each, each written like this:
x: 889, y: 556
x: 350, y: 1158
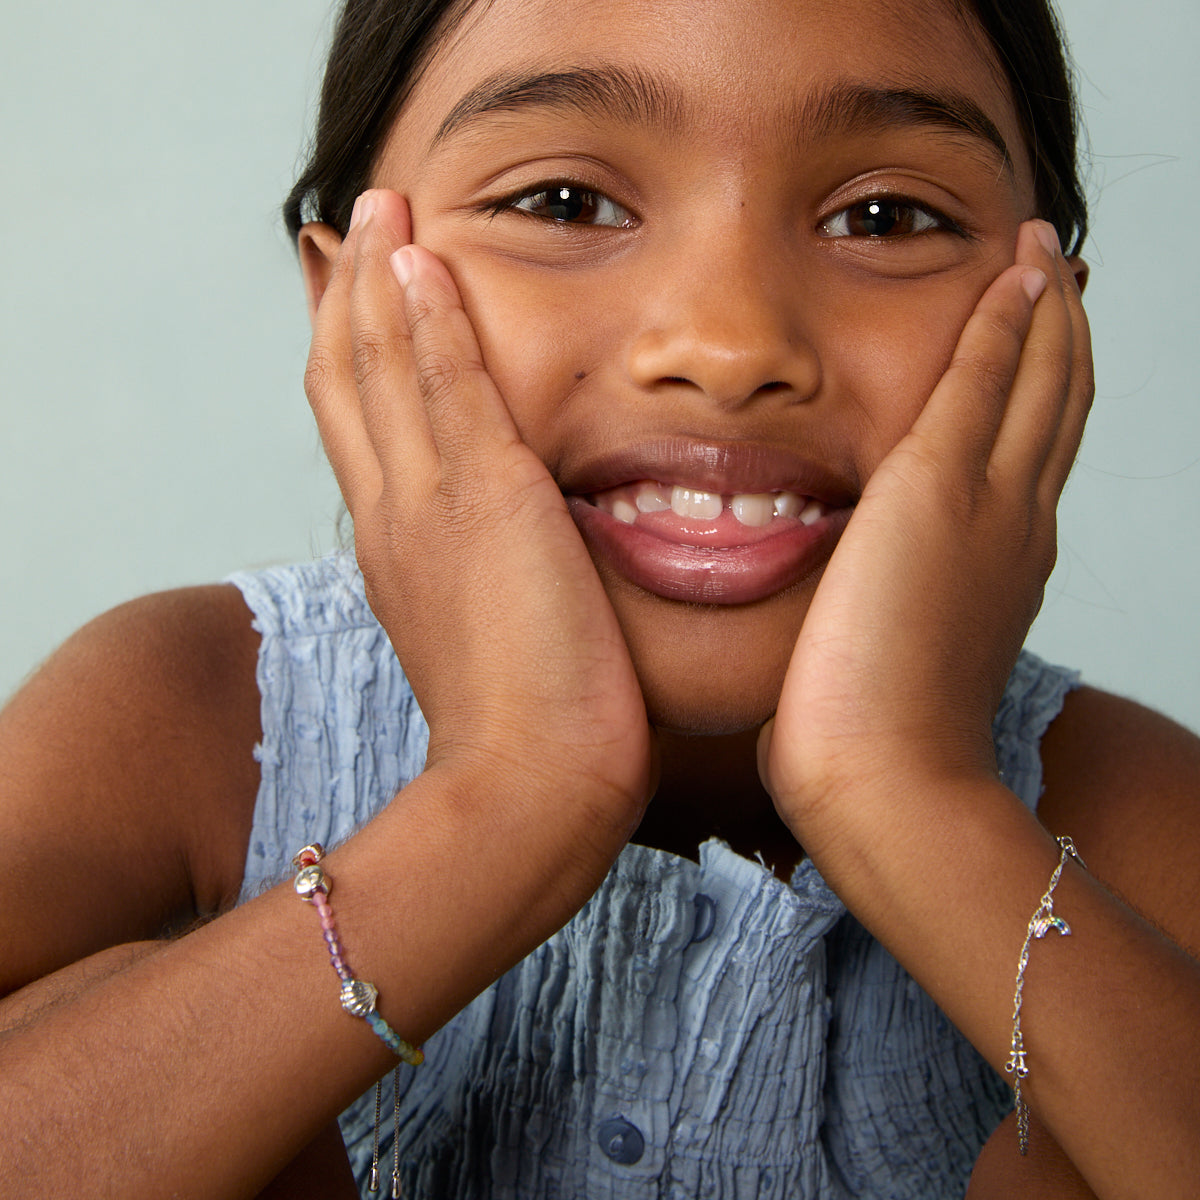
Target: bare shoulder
x: 127, y: 778
x: 1124, y: 782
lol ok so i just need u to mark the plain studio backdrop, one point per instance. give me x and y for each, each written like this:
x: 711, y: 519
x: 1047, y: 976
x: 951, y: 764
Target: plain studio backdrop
x: 153, y: 427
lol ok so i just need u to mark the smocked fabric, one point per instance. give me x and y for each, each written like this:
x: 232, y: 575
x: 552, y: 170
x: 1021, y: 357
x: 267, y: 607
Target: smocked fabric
x: 697, y: 1030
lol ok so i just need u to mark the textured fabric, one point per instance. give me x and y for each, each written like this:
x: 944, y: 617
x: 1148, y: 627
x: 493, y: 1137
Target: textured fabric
x: 698, y: 1029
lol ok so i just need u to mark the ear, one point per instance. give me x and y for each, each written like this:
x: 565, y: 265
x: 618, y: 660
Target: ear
x: 1080, y: 270
x: 319, y: 245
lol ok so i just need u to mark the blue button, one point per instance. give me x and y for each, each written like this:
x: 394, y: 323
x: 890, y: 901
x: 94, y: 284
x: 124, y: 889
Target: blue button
x: 622, y: 1142
x: 706, y: 917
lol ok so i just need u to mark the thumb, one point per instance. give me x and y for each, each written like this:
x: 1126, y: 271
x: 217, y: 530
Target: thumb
x: 764, y: 752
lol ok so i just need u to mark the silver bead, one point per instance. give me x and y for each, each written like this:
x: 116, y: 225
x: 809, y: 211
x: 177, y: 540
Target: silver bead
x: 314, y: 850
x: 309, y: 880
x: 358, y: 997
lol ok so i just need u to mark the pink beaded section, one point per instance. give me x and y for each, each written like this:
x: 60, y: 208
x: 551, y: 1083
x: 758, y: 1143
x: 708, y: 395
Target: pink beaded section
x: 358, y: 997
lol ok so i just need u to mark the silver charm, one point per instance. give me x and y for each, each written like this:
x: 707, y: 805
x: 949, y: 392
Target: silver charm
x: 358, y: 997
x: 309, y: 880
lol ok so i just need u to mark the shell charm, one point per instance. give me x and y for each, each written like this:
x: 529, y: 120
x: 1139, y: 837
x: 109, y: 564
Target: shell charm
x: 358, y: 997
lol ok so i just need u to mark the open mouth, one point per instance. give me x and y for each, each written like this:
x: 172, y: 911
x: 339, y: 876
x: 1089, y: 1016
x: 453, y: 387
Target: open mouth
x: 707, y: 547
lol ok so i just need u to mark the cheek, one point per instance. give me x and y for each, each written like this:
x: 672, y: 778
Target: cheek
x: 537, y: 341
x: 888, y: 354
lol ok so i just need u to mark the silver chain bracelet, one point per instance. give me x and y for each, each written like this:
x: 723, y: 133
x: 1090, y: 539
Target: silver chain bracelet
x: 1042, y: 921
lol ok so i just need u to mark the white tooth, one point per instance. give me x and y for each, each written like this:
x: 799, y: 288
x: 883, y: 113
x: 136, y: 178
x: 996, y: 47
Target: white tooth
x: 754, y: 509
x: 625, y: 511
x: 650, y: 498
x: 787, y: 504
x: 700, y: 506
x: 814, y: 510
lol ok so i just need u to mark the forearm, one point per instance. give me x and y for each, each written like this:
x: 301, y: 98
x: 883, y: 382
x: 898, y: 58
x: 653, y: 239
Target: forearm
x: 947, y: 879
x: 1045, y: 1173
x: 204, y: 1068
x: 22, y: 1008
x: 321, y: 1167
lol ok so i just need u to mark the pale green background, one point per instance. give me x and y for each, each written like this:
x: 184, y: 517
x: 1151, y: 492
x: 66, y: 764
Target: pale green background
x: 153, y: 430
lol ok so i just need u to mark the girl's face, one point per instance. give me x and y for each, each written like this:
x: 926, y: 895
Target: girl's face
x: 718, y: 256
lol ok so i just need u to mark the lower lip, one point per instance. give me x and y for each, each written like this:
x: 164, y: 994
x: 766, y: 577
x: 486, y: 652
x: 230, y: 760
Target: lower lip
x: 769, y: 561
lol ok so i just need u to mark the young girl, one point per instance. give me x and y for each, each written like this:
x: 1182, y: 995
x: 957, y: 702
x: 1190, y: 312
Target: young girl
x: 701, y: 381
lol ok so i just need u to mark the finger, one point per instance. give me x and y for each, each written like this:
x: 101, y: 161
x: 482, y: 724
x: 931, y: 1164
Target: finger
x: 389, y: 397
x: 332, y: 391
x: 466, y: 412
x: 1033, y: 420
x: 1082, y: 391
x: 962, y: 416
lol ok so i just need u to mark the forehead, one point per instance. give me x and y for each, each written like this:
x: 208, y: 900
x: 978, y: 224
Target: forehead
x: 721, y: 65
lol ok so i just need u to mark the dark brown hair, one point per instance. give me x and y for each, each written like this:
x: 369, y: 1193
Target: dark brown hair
x: 1027, y: 38
x: 380, y: 47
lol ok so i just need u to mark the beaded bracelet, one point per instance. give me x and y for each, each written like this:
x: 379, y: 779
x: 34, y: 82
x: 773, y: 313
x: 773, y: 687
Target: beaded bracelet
x: 1042, y: 921
x: 358, y: 997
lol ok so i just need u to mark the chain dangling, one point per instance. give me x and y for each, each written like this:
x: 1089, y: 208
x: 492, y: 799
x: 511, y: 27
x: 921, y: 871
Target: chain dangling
x: 396, y: 1193
x: 374, y: 1180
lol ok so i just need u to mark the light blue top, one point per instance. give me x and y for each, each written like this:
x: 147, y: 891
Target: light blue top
x: 697, y: 1030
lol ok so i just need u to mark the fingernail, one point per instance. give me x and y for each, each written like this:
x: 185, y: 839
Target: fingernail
x: 364, y: 206
x: 1034, y: 283
x: 402, y: 265
x: 1048, y: 236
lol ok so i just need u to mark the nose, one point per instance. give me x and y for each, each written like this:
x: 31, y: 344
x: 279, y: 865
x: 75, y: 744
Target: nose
x: 722, y: 318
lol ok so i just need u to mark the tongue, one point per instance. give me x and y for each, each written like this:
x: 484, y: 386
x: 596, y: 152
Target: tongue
x: 723, y: 530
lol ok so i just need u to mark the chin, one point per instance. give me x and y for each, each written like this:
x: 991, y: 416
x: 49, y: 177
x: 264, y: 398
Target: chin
x: 704, y: 711
x: 687, y: 724
x: 709, y: 671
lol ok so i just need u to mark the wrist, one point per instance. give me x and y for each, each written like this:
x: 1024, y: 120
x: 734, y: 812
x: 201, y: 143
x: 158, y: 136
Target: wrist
x: 451, y: 885
x: 536, y: 842
x: 864, y: 788
x: 547, y: 783
x: 896, y: 843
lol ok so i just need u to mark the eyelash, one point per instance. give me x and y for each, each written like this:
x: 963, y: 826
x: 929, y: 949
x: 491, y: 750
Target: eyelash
x: 885, y: 208
x: 565, y: 194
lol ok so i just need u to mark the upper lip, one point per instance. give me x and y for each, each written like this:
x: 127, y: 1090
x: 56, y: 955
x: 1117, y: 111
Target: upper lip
x: 724, y: 467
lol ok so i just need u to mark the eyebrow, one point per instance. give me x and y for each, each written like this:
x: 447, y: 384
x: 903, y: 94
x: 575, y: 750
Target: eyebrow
x: 632, y: 96
x: 856, y: 108
x: 628, y: 94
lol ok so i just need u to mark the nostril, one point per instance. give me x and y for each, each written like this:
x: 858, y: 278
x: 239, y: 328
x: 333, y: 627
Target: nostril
x: 731, y: 363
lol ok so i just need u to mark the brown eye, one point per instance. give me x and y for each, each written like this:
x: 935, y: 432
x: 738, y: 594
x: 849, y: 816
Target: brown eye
x: 572, y: 205
x: 882, y: 218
